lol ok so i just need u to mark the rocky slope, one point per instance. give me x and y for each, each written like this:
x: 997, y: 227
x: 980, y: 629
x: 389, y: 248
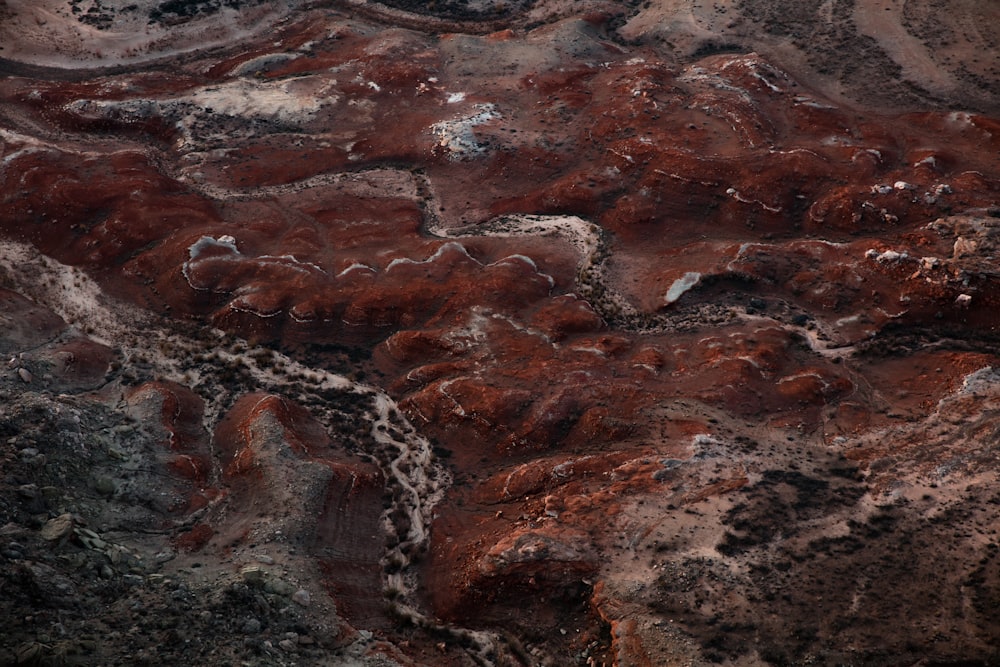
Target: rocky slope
x: 499, y: 333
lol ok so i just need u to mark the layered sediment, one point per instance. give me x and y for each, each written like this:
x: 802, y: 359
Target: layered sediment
x: 498, y: 333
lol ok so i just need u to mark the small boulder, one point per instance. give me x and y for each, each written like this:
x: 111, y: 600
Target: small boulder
x: 58, y: 529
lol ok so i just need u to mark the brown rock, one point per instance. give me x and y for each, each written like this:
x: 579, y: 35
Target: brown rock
x: 58, y: 529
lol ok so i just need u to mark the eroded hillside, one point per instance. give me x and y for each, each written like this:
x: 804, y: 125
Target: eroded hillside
x: 499, y: 333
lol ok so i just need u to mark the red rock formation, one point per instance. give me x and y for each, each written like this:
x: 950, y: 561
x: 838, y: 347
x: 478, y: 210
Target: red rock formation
x: 176, y: 413
x: 640, y: 304
x: 289, y: 483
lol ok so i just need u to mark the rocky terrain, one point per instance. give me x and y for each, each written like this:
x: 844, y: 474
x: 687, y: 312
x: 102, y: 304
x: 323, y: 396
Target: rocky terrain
x: 511, y: 333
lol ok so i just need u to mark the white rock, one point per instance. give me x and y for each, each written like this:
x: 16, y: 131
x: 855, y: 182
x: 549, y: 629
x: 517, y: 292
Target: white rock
x: 885, y: 257
x: 963, y: 247
x: 301, y: 597
x: 680, y: 286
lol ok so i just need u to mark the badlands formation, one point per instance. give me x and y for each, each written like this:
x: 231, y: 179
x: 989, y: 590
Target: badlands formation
x: 522, y: 332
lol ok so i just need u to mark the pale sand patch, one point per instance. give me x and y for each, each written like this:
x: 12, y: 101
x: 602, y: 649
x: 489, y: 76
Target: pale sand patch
x: 47, y: 33
x: 883, y: 22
